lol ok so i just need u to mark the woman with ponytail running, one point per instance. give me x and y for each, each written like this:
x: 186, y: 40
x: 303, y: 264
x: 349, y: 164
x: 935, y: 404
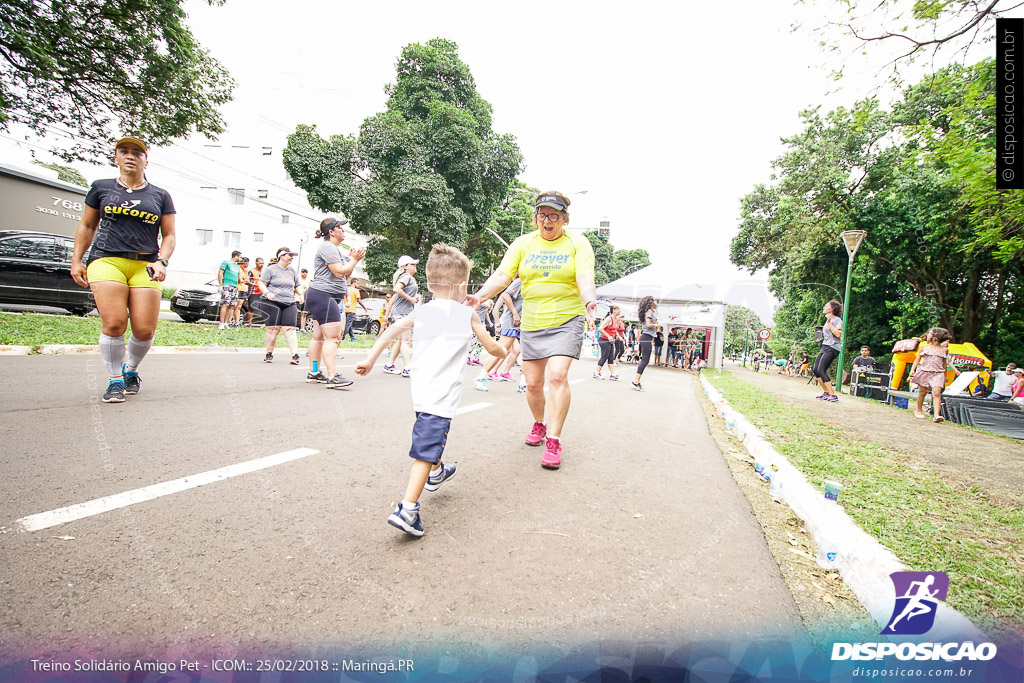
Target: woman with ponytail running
x: 129, y: 225
x: 609, y: 333
x: 648, y: 317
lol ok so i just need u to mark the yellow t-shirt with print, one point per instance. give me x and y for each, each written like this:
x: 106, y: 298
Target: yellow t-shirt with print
x: 548, y: 272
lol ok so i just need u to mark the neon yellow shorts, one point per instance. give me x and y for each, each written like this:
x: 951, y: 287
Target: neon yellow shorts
x: 125, y: 271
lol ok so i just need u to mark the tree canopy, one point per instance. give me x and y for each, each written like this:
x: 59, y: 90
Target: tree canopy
x: 99, y: 68
x: 943, y: 246
x: 65, y: 173
x: 428, y: 169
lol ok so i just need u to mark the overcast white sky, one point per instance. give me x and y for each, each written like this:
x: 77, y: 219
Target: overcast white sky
x: 665, y: 113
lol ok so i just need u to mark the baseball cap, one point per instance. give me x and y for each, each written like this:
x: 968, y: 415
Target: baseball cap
x: 552, y: 200
x: 285, y: 250
x: 133, y: 139
x: 405, y: 260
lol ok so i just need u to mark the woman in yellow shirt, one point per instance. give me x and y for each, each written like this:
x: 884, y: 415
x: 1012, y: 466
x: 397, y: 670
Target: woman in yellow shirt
x: 556, y: 268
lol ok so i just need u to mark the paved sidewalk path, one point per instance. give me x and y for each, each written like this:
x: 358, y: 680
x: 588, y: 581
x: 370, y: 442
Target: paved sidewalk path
x: 642, y: 536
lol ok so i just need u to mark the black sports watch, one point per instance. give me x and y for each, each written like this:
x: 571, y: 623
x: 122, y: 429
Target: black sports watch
x: 163, y: 261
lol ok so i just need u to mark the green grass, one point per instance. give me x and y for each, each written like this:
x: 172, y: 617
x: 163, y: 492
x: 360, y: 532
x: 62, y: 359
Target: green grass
x: 928, y: 523
x: 34, y: 330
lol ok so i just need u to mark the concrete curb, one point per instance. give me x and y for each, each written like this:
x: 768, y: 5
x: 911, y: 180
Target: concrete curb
x: 92, y: 349
x: 15, y: 350
x: 863, y: 562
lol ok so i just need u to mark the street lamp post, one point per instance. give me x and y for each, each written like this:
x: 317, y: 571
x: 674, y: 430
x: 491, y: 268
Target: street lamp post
x: 746, y: 338
x: 852, y: 239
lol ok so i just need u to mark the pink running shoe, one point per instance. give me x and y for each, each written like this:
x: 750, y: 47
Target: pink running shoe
x: 506, y: 377
x: 552, y: 457
x: 536, y: 434
x: 494, y: 376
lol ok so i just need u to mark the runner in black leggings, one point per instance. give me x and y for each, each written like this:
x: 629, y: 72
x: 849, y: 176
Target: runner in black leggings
x: 831, y: 344
x: 649, y: 319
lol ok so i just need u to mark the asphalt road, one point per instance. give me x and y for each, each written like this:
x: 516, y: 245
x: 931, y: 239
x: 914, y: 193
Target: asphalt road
x: 641, y: 536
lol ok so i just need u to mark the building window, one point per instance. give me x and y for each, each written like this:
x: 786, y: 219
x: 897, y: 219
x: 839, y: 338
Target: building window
x: 257, y: 237
x: 267, y: 151
x: 236, y: 195
x: 284, y: 218
x: 232, y: 239
x: 204, y: 237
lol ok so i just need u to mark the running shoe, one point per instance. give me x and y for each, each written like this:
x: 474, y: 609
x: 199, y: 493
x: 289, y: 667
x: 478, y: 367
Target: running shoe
x: 407, y: 520
x: 477, y: 361
x: 294, y: 360
x: 537, y: 434
x: 439, y: 477
x: 494, y: 376
x: 318, y: 377
x: 337, y: 382
x: 598, y: 375
x: 390, y: 369
x: 821, y: 397
x: 552, y: 457
x: 132, y: 383
x: 405, y: 372
x: 114, y: 392
x: 636, y: 385
x: 481, y: 383
x: 222, y: 326
x: 831, y: 398
x: 505, y: 377
x: 269, y: 358
x: 614, y: 378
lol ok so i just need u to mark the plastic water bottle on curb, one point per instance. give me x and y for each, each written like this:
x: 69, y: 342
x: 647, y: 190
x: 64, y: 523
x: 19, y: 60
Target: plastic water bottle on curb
x: 762, y: 463
x: 775, y: 490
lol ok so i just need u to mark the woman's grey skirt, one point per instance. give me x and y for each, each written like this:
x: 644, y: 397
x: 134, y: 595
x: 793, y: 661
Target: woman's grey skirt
x: 564, y: 340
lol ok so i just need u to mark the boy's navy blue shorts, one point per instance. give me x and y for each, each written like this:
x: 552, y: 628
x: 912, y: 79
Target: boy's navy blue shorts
x: 429, y: 436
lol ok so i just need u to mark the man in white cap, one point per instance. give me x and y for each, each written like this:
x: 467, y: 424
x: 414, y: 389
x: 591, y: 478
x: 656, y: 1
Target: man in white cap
x: 402, y: 303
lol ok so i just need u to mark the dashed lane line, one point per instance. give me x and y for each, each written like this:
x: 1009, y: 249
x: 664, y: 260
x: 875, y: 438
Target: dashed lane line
x: 45, y: 520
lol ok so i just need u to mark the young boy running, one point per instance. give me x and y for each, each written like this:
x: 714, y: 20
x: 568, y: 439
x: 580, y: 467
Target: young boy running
x: 441, y: 335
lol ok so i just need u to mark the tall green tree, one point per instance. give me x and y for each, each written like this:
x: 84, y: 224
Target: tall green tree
x: 937, y: 252
x: 741, y: 324
x: 105, y: 67
x: 610, y: 263
x: 430, y: 168
x: 65, y: 173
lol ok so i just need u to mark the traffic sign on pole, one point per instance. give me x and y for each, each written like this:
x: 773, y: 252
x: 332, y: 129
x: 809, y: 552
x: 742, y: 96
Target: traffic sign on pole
x: 764, y: 333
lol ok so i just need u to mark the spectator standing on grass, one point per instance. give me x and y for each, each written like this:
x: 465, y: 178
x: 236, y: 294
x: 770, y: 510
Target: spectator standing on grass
x: 1002, y: 384
x: 659, y: 345
x: 301, y: 299
x: 255, y: 290
x: 929, y: 371
x: 832, y: 341
x: 352, y: 299
x: 1017, y: 391
x: 441, y: 333
x: 227, y: 285
x: 127, y: 226
x: 281, y: 284
x: 244, y: 284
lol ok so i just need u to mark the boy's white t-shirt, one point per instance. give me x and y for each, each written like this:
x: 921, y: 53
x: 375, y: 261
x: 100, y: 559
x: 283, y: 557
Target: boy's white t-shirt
x: 441, y: 338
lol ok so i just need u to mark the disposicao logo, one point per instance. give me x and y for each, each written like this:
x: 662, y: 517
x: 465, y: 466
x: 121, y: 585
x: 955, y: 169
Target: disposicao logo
x: 917, y: 599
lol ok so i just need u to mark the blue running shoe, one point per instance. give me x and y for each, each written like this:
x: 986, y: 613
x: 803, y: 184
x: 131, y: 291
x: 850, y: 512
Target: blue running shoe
x: 407, y: 520
x: 439, y: 476
x: 132, y: 383
x: 821, y: 397
x: 831, y: 398
x: 114, y: 392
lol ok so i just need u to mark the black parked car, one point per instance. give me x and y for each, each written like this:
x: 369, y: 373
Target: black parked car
x: 203, y: 303
x: 35, y: 269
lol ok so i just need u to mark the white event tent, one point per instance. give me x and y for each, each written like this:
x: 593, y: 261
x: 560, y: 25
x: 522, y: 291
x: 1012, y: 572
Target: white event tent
x: 683, y: 303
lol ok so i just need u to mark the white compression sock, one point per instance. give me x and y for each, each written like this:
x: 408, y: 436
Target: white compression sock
x: 137, y: 350
x: 112, y: 353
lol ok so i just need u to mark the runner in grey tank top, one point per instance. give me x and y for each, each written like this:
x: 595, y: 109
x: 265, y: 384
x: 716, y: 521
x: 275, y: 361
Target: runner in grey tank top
x: 402, y: 303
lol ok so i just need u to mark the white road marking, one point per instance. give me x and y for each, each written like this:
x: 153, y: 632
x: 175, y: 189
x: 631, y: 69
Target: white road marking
x: 473, y: 406
x: 45, y: 520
